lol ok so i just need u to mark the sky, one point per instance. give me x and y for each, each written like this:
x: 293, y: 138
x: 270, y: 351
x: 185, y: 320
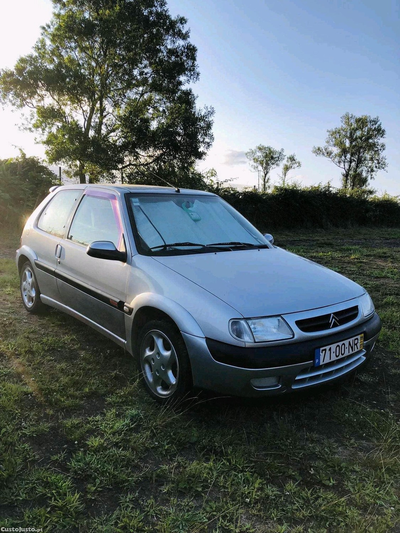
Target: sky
x: 277, y: 72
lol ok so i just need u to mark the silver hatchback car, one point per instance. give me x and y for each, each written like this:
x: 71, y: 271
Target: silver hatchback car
x: 190, y: 288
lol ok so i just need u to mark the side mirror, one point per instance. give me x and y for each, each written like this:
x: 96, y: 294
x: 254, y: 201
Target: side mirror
x: 269, y: 238
x: 105, y: 250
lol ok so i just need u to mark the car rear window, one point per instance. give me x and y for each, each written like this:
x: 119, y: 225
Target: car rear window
x: 54, y: 218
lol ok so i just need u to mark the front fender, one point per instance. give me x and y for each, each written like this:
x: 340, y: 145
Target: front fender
x: 182, y: 318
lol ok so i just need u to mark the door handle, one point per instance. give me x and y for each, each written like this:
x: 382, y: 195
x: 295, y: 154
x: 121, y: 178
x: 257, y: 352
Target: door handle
x: 58, y: 252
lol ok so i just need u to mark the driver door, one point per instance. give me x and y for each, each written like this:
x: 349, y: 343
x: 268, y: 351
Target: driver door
x: 95, y: 288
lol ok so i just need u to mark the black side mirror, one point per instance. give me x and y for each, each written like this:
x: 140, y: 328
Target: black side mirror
x: 105, y: 250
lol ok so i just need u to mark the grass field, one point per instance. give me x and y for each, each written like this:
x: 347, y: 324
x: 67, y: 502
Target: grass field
x: 82, y: 448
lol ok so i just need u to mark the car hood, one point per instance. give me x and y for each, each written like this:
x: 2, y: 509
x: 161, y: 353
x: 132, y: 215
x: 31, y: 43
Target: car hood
x: 264, y: 282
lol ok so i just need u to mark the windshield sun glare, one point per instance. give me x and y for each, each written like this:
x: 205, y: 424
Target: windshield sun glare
x: 176, y: 224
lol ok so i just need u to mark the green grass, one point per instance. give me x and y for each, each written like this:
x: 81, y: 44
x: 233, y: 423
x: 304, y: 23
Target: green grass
x: 82, y: 447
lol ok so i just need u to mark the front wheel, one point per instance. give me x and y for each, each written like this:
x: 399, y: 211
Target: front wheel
x: 29, y: 289
x: 164, y: 362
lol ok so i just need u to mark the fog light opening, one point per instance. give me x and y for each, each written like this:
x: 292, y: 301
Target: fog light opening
x: 265, y: 383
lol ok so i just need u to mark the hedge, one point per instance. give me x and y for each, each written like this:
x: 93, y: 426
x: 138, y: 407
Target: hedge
x: 314, y: 207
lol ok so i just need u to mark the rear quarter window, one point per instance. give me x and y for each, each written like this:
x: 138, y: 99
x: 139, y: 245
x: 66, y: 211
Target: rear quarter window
x: 54, y: 218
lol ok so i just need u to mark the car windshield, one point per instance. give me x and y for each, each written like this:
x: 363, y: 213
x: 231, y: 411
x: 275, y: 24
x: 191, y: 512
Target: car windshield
x: 183, y: 223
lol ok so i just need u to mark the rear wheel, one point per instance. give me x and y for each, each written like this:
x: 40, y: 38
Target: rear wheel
x: 164, y: 362
x: 30, y: 289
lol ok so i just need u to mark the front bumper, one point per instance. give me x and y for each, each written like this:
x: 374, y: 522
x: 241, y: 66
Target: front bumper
x: 264, y: 371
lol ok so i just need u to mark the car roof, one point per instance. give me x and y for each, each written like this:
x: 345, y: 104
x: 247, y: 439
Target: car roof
x: 129, y: 188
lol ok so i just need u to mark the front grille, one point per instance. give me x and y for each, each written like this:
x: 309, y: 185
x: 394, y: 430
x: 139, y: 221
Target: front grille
x: 329, y: 321
x: 319, y: 375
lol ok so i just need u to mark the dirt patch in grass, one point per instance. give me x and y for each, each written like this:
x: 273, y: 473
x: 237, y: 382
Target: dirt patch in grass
x: 7, y: 253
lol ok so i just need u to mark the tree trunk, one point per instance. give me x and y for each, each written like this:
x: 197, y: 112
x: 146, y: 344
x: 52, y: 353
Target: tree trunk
x: 264, y: 182
x: 345, y: 179
x: 81, y: 173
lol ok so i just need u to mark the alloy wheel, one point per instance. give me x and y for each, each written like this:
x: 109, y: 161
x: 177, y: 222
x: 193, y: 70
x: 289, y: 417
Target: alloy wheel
x: 160, y: 364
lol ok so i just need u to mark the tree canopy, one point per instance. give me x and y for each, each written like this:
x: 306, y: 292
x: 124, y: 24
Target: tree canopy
x: 291, y: 163
x: 357, y: 148
x: 108, y: 84
x: 263, y: 159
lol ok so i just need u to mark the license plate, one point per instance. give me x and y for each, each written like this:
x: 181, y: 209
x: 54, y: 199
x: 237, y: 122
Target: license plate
x: 332, y: 352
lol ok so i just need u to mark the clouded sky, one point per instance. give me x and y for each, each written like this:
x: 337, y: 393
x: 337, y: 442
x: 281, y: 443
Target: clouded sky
x: 277, y: 72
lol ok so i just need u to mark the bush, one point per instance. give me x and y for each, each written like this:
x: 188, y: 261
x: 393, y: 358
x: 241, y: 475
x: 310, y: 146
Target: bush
x: 24, y: 182
x: 313, y: 207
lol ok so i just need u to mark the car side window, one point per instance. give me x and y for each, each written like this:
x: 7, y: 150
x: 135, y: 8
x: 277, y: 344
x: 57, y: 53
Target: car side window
x: 97, y: 219
x: 54, y: 218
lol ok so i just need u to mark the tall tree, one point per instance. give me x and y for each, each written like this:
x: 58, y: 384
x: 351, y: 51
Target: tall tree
x: 108, y: 84
x: 291, y: 163
x: 357, y: 148
x: 263, y: 159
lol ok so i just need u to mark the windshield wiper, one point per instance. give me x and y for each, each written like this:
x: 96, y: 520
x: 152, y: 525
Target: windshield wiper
x: 176, y: 245
x: 238, y: 243
x: 223, y: 246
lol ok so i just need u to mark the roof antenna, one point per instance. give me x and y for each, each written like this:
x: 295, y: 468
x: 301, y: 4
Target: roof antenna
x: 177, y: 189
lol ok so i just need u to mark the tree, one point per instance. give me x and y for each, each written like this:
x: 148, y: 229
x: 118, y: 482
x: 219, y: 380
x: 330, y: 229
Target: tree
x: 174, y: 175
x: 24, y: 182
x: 291, y: 163
x: 168, y: 173
x: 263, y: 159
x: 356, y: 148
x: 108, y: 86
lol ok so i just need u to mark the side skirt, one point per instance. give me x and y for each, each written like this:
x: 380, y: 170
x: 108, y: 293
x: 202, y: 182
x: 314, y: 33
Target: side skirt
x: 57, y: 305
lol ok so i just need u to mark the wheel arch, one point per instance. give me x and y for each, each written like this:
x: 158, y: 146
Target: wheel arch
x: 21, y: 260
x: 144, y: 315
x: 25, y: 254
x: 150, y: 306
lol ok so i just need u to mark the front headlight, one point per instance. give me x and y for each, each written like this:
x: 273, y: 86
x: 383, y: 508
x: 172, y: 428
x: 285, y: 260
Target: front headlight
x: 272, y: 328
x: 366, y: 305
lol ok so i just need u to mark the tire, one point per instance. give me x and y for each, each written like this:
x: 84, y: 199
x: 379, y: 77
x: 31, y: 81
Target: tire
x: 164, y: 362
x: 30, y: 292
